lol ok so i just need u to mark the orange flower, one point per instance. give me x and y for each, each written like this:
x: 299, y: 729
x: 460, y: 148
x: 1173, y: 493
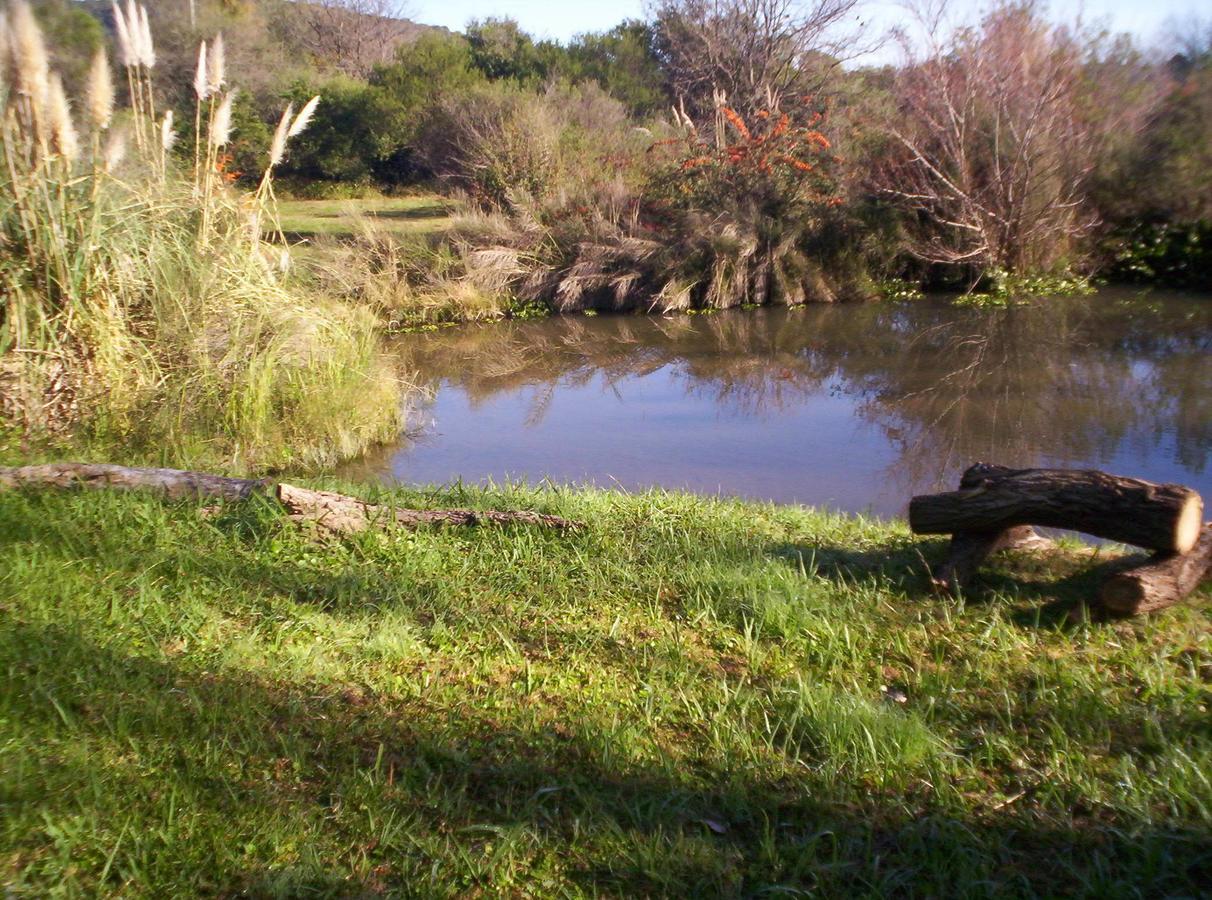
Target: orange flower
x: 815, y: 137
x: 697, y: 161
x: 795, y: 163
x: 737, y: 122
x: 781, y: 128
x: 763, y: 114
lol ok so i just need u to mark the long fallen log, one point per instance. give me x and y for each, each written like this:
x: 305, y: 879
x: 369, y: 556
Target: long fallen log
x: 333, y: 512
x: 1161, y: 581
x: 1165, y: 517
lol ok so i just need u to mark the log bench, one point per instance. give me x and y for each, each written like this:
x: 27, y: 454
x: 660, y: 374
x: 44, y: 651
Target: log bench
x: 996, y: 508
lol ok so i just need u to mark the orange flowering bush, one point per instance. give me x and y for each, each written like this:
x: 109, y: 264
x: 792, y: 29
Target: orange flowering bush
x: 781, y: 165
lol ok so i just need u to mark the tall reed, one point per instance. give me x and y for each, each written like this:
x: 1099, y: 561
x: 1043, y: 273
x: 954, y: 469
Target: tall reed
x: 141, y: 305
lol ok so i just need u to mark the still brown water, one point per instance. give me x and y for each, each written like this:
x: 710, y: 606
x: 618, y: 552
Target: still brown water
x: 851, y: 407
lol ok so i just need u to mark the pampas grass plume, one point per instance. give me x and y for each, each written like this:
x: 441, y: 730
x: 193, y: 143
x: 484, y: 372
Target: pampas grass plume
x: 134, y: 31
x: 5, y: 48
x: 63, y: 132
x: 277, y: 149
x: 168, y: 137
x: 147, y: 47
x: 100, y: 93
x: 115, y: 149
x: 200, y: 86
x: 29, y: 54
x: 126, y: 46
x: 304, y: 116
x: 220, y: 131
x: 216, y: 65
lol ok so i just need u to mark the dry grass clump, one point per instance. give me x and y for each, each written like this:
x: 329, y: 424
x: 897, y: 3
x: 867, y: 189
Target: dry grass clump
x: 140, y: 305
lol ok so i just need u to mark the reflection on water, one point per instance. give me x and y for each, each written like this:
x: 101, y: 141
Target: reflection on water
x: 854, y: 407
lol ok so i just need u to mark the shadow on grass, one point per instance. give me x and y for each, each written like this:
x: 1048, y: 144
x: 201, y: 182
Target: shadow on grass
x: 484, y: 800
x: 1050, y: 588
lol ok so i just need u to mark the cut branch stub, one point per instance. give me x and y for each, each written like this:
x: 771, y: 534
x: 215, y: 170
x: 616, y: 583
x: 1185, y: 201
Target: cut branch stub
x: 1165, y: 517
x: 968, y: 549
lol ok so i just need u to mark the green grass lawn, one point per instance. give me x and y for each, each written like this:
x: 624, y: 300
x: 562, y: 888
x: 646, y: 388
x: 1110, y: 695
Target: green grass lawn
x: 414, y: 215
x: 688, y: 697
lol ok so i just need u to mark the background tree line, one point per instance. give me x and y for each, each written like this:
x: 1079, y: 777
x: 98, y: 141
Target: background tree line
x: 1009, y: 145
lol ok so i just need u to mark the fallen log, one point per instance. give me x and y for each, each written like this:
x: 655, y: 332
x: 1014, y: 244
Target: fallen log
x: 1162, y: 581
x: 969, y: 549
x: 1165, y: 517
x: 175, y: 484
x: 336, y: 513
x: 348, y: 515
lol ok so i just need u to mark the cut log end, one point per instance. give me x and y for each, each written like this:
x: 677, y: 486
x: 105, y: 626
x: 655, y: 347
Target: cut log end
x: 1189, y: 525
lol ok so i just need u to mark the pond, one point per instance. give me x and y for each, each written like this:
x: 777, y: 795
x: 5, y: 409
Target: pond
x: 853, y: 407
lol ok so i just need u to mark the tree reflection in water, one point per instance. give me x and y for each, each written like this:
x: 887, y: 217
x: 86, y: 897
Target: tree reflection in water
x: 1081, y: 381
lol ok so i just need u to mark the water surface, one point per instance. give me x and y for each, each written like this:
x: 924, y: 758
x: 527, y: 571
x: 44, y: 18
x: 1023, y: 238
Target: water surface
x: 851, y: 407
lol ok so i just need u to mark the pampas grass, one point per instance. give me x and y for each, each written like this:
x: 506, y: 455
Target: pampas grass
x: 59, y: 114
x: 130, y: 317
x: 100, y: 93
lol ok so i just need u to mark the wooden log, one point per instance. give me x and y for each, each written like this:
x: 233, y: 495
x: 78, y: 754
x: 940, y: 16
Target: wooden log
x: 1165, y: 517
x: 1162, y: 581
x: 971, y: 548
x: 347, y: 515
x: 334, y: 512
x: 175, y: 484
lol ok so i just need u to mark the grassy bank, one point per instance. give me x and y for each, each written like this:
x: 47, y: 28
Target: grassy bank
x: 414, y: 216
x: 689, y: 697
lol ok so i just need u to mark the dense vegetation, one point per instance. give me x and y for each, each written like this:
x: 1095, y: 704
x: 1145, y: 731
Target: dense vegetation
x: 1010, y: 146
x: 687, y: 698
x: 141, y: 307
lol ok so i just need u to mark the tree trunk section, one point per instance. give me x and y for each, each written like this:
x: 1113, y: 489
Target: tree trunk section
x: 1160, y: 582
x: 1165, y: 517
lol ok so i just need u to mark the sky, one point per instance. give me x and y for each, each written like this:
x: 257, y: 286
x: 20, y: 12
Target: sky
x: 561, y: 19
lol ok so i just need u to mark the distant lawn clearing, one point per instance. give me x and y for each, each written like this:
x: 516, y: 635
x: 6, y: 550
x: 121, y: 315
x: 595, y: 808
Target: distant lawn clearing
x: 403, y: 215
x: 688, y: 698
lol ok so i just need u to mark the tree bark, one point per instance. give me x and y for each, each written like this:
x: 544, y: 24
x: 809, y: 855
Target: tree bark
x: 334, y: 512
x: 1165, y: 517
x: 970, y: 548
x: 1159, y: 582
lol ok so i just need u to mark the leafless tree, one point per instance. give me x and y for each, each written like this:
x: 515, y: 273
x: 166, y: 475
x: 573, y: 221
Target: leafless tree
x: 996, y: 132
x: 349, y: 36
x: 750, y: 52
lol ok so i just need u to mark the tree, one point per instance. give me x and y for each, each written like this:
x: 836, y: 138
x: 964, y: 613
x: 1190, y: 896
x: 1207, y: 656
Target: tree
x: 347, y: 36
x: 995, y: 136
x: 500, y: 49
x: 748, y: 53
x: 624, y: 62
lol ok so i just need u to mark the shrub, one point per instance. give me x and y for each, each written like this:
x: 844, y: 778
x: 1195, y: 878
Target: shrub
x: 680, y: 224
